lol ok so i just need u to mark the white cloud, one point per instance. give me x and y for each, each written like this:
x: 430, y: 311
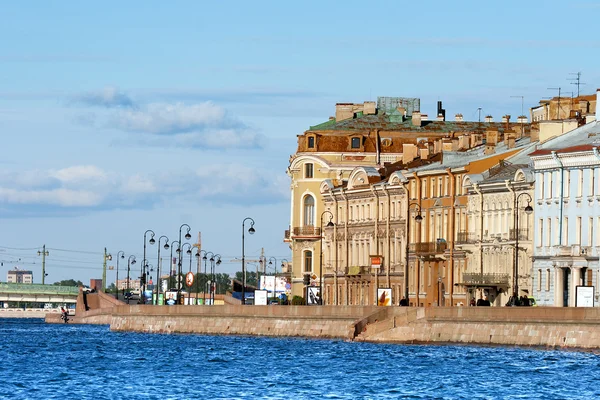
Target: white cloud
x: 87, y: 188
x: 108, y: 97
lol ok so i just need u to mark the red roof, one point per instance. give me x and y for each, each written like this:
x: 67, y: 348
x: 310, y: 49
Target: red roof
x: 573, y: 149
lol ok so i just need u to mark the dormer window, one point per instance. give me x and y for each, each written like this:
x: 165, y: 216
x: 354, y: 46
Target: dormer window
x: 355, y: 143
x: 311, y: 142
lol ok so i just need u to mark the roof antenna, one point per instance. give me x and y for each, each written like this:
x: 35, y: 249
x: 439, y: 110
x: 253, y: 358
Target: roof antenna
x: 577, y: 80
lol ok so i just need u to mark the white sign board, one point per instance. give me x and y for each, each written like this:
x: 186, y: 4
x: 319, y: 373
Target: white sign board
x: 260, y: 297
x: 584, y: 296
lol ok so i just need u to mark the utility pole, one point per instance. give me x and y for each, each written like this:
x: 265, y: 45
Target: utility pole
x: 106, y: 257
x: 43, y: 253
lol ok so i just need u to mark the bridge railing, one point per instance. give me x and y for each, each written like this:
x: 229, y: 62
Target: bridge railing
x: 38, y: 289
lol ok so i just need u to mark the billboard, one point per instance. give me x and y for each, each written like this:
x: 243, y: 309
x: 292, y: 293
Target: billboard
x: 266, y: 283
x: 260, y: 297
x: 171, y: 298
x: 313, y: 297
x: 384, y: 296
x: 584, y: 296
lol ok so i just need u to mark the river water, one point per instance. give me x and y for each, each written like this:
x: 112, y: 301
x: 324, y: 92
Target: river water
x: 42, y: 361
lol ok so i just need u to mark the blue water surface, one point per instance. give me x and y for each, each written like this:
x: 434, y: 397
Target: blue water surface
x: 41, y: 361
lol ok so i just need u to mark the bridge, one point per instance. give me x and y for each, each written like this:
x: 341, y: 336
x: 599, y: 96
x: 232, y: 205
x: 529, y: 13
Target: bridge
x: 36, y: 293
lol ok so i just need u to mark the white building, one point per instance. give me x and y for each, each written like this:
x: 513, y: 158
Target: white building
x: 567, y: 216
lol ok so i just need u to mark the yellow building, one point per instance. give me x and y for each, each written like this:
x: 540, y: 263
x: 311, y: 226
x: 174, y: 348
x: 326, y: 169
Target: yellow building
x: 373, y: 136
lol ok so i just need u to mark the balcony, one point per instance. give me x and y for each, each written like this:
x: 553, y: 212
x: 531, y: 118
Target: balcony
x: 308, y: 231
x: 358, y: 270
x: 475, y: 279
x: 428, y: 248
x: 522, y: 234
x: 465, y: 237
x: 286, y: 235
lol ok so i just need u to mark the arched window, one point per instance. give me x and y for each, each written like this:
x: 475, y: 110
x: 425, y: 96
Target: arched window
x: 308, y: 261
x: 309, y: 211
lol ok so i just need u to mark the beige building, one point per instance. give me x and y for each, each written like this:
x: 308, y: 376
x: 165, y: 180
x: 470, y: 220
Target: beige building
x: 350, y: 151
x: 19, y: 276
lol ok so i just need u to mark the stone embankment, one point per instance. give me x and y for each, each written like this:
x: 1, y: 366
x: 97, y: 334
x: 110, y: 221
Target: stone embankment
x: 520, y: 326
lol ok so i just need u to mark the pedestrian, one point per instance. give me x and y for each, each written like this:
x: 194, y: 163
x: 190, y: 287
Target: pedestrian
x: 472, y: 302
x: 403, y: 302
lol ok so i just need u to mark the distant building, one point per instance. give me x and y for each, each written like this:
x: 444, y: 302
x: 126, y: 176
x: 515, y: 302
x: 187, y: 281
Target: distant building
x: 96, y: 284
x: 19, y: 276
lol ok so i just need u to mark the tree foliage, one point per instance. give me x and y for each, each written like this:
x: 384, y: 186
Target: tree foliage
x: 68, y: 282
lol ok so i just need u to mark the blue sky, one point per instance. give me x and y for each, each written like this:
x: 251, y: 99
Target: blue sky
x: 118, y: 117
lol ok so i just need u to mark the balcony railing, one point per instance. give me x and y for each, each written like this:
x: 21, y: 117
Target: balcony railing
x: 308, y: 230
x: 485, y: 279
x: 358, y: 270
x: 523, y: 234
x: 286, y: 235
x: 466, y: 237
x: 428, y: 247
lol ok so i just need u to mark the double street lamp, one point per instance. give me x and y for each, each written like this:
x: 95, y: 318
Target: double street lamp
x: 418, y: 219
x: 188, y: 237
x: 151, y: 241
x: 329, y: 224
x: 250, y: 231
x: 205, y: 257
x: 157, y: 284
x: 130, y: 262
x: 528, y: 210
x: 215, y: 261
x: 122, y: 255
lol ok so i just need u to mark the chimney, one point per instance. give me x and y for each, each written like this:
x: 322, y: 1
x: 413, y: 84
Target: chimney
x: 489, y: 119
x: 343, y: 111
x: 441, y: 113
x: 458, y: 118
x: 510, y: 142
x: 506, y: 118
x: 522, y: 119
x: 584, y: 106
x: 491, y: 137
x: 408, y: 152
x: 416, y: 118
x: 369, y: 108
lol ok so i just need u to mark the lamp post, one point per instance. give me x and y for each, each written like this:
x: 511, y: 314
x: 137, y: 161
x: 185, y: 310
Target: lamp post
x: 151, y: 241
x: 189, y: 252
x: 205, y: 257
x: 130, y: 261
x: 171, y: 262
x: 157, y: 284
x: 122, y: 253
x: 188, y: 237
x: 418, y: 219
x: 107, y: 257
x: 213, y: 288
x: 250, y: 231
x: 271, y: 259
x: 283, y: 265
x: 143, y: 266
x: 528, y: 210
x: 329, y: 224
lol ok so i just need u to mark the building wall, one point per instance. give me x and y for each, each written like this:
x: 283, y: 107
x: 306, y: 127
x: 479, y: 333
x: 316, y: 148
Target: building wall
x: 567, y: 222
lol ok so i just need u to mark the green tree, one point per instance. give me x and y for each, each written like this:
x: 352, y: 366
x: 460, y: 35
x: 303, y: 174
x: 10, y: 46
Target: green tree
x: 251, y: 278
x: 223, y: 283
x: 68, y: 282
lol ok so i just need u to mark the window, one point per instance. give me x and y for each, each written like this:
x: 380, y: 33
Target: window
x: 308, y: 261
x: 592, y: 178
x: 567, y: 184
x: 580, y: 183
x: 578, y: 231
x: 432, y: 189
x: 355, y: 143
x: 413, y: 189
x: 309, y: 211
x: 424, y: 188
x: 547, y: 280
x: 308, y: 170
x: 540, y: 232
x: 311, y: 142
x: 590, y: 241
x: 539, y: 283
x: 588, y: 279
x: 439, y: 191
x: 541, y: 185
x: 565, y: 232
x: 549, y: 235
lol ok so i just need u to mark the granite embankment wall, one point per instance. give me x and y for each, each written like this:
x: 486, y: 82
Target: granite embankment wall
x: 523, y: 326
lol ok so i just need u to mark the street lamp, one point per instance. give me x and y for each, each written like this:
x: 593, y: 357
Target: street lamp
x: 283, y: 265
x: 171, y: 263
x: 329, y: 224
x: 528, y: 210
x: 130, y: 261
x: 122, y: 253
x: 418, y: 219
x: 166, y: 247
x: 188, y: 237
x: 250, y: 231
x: 271, y: 259
x: 152, y: 241
x: 213, y: 288
x: 197, y: 255
x: 143, y: 266
x: 189, y: 252
x: 205, y: 257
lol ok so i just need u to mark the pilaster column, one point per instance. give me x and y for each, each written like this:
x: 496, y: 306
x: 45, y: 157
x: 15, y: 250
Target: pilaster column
x: 575, y: 281
x: 558, y: 286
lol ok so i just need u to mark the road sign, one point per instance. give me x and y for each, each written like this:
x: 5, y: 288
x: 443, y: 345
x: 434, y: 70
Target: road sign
x: 179, y: 278
x: 189, y: 279
x: 179, y: 285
